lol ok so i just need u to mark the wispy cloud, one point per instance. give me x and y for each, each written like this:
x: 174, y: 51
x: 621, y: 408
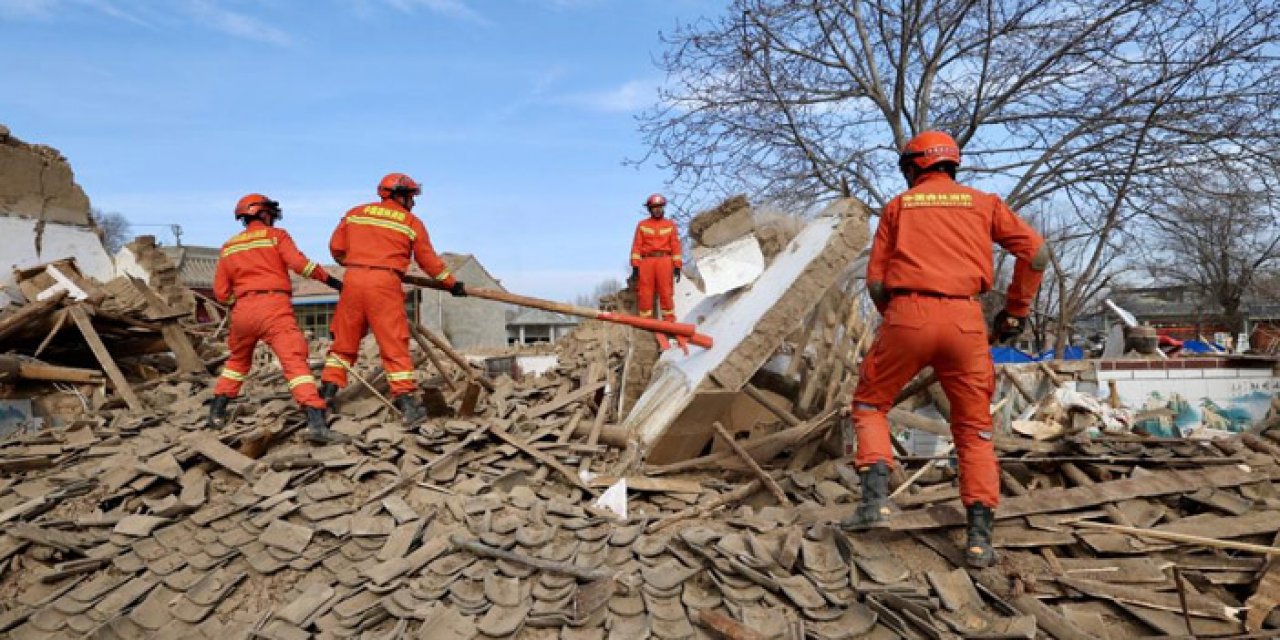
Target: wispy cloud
x: 209, y: 14
x: 29, y: 9
x: 626, y: 98
x: 234, y: 23
x: 52, y: 9
x: 455, y: 9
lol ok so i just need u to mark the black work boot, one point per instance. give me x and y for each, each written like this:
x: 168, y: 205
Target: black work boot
x: 978, y: 551
x: 873, y: 509
x: 318, y: 430
x: 218, y: 412
x: 328, y: 391
x: 410, y: 410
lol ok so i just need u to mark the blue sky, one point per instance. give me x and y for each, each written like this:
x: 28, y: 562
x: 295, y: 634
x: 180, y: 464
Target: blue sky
x: 515, y: 115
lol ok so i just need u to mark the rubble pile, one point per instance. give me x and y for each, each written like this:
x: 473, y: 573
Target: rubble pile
x: 489, y: 521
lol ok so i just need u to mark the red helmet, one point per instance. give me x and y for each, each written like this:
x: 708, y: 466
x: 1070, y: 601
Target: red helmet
x: 930, y: 148
x: 393, y: 183
x: 655, y: 200
x: 250, y: 205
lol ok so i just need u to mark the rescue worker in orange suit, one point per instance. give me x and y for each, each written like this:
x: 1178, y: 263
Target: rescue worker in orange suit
x: 655, y: 260
x: 253, y: 274
x: 930, y: 258
x: 375, y: 242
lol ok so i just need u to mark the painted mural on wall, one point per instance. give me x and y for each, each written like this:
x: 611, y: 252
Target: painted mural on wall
x: 1172, y: 415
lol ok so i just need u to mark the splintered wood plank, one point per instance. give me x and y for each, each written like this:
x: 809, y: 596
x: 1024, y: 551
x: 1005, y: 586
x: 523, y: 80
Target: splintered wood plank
x: 1144, y: 570
x: 502, y: 434
x: 656, y: 485
x: 1156, y: 483
x: 470, y: 397
x: 100, y: 352
x: 1198, y: 604
x: 211, y: 448
x: 563, y: 401
x: 1210, y: 525
x: 1266, y: 597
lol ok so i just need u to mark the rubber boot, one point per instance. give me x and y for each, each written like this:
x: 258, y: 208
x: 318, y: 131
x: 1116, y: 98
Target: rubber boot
x: 318, y: 430
x: 978, y: 551
x: 328, y: 391
x: 218, y: 412
x: 410, y: 410
x: 873, y: 509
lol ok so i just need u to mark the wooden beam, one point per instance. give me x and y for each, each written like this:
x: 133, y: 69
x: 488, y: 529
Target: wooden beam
x: 751, y: 464
x: 104, y: 357
x: 1156, y: 483
x: 422, y: 333
x: 563, y: 401
x: 28, y: 312
x: 12, y: 367
x: 768, y: 403
x: 501, y: 432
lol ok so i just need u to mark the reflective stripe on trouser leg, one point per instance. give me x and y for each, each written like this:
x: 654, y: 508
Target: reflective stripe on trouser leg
x: 901, y: 348
x: 664, y: 282
x: 241, y: 339
x: 290, y: 346
x: 964, y: 369
x: 390, y: 327
x: 645, y: 288
x: 348, y: 327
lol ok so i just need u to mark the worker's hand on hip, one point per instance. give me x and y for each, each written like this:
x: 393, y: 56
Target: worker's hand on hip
x: 459, y: 290
x: 1006, y: 328
x: 635, y: 275
x: 333, y: 282
x: 676, y: 273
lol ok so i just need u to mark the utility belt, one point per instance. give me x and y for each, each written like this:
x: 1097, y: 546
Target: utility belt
x: 378, y: 267
x: 266, y: 292
x: 656, y: 254
x: 894, y: 293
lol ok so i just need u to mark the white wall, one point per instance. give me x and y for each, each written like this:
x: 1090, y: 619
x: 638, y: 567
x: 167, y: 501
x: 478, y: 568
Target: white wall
x: 18, y: 249
x: 1235, y: 395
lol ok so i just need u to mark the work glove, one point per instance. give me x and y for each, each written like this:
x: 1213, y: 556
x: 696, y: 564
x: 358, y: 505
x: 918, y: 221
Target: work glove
x: 333, y: 282
x: 677, y: 274
x: 635, y: 275
x: 1006, y: 328
x: 458, y: 289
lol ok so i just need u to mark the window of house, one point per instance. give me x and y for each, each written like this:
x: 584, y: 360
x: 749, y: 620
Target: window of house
x: 315, y: 319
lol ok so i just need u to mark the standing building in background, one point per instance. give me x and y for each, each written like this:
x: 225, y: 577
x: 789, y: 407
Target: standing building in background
x: 535, y: 326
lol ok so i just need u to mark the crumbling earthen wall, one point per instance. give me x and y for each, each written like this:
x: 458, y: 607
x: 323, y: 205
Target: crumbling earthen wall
x: 811, y: 286
x: 38, y: 183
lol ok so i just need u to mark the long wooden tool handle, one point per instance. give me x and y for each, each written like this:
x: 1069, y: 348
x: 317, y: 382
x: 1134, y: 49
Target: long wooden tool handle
x: 648, y: 324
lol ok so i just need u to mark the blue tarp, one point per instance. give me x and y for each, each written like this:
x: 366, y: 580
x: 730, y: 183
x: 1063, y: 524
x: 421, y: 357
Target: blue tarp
x: 1009, y: 355
x: 1073, y: 353
x: 1196, y: 346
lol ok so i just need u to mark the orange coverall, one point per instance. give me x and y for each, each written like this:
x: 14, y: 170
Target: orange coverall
x: 932, y: 251
x: 374, y: 242
x: 655, y: 251
x: 253, y: 271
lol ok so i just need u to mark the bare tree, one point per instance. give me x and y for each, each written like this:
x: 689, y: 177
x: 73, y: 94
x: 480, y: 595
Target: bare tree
x: 1217, y: 232
x: 113, y: 228
x: 1071, y: 106
x: 603, y: 289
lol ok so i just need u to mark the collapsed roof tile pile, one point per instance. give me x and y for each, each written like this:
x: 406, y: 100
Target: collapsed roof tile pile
x: 138, y: 524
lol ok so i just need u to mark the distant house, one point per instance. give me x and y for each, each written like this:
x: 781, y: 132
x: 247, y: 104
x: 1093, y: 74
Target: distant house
x: 534, y: 326
x: 467, y: 323
x: 195, y: 265
x: 1181, y: 312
